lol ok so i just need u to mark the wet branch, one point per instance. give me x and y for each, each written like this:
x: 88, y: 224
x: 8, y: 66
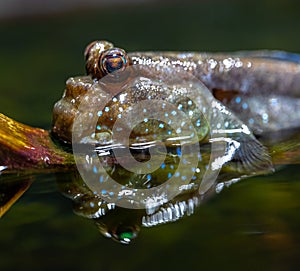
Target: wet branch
x: 26, y: 148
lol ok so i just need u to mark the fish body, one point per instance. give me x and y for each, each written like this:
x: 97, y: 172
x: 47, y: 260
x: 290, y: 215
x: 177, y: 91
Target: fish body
x: 262, y: 87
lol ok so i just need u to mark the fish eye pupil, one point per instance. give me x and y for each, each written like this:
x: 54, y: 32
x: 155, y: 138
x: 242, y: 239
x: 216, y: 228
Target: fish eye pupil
x: 113, y: 63
x: 113, y: 60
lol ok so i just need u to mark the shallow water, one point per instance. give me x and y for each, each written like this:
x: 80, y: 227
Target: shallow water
x: 253, y: 225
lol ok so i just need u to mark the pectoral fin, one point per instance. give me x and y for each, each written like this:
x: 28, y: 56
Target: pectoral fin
x: 251, y: 157
x: 243, y: 152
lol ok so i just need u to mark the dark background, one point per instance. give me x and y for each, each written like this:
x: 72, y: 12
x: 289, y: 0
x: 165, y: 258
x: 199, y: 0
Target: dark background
x: 42, y: 48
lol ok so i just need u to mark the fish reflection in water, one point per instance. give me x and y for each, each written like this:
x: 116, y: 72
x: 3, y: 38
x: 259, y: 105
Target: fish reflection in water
x: 122, y: 224
x: 251, y: 105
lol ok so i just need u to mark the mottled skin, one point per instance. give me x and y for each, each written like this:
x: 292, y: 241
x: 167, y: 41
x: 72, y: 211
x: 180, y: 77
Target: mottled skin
x: 258, y: 73
x: 261, y: 88
x: 267, y: 87
x: 258, y: 80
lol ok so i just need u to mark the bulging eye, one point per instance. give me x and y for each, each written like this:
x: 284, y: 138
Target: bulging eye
x: 95, y: 48
x: 92, y: 55
x: 88, y: 49
x: 113, y: 60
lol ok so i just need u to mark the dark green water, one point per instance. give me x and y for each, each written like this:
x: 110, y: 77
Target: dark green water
x: 253, y: 225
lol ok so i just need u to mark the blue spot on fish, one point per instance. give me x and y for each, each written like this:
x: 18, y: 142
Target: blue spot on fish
x: 251, y: 121
x: 265, y: 118
x: 238, y: 100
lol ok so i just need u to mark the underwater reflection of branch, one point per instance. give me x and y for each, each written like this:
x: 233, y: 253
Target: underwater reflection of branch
x: 11, y: 190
